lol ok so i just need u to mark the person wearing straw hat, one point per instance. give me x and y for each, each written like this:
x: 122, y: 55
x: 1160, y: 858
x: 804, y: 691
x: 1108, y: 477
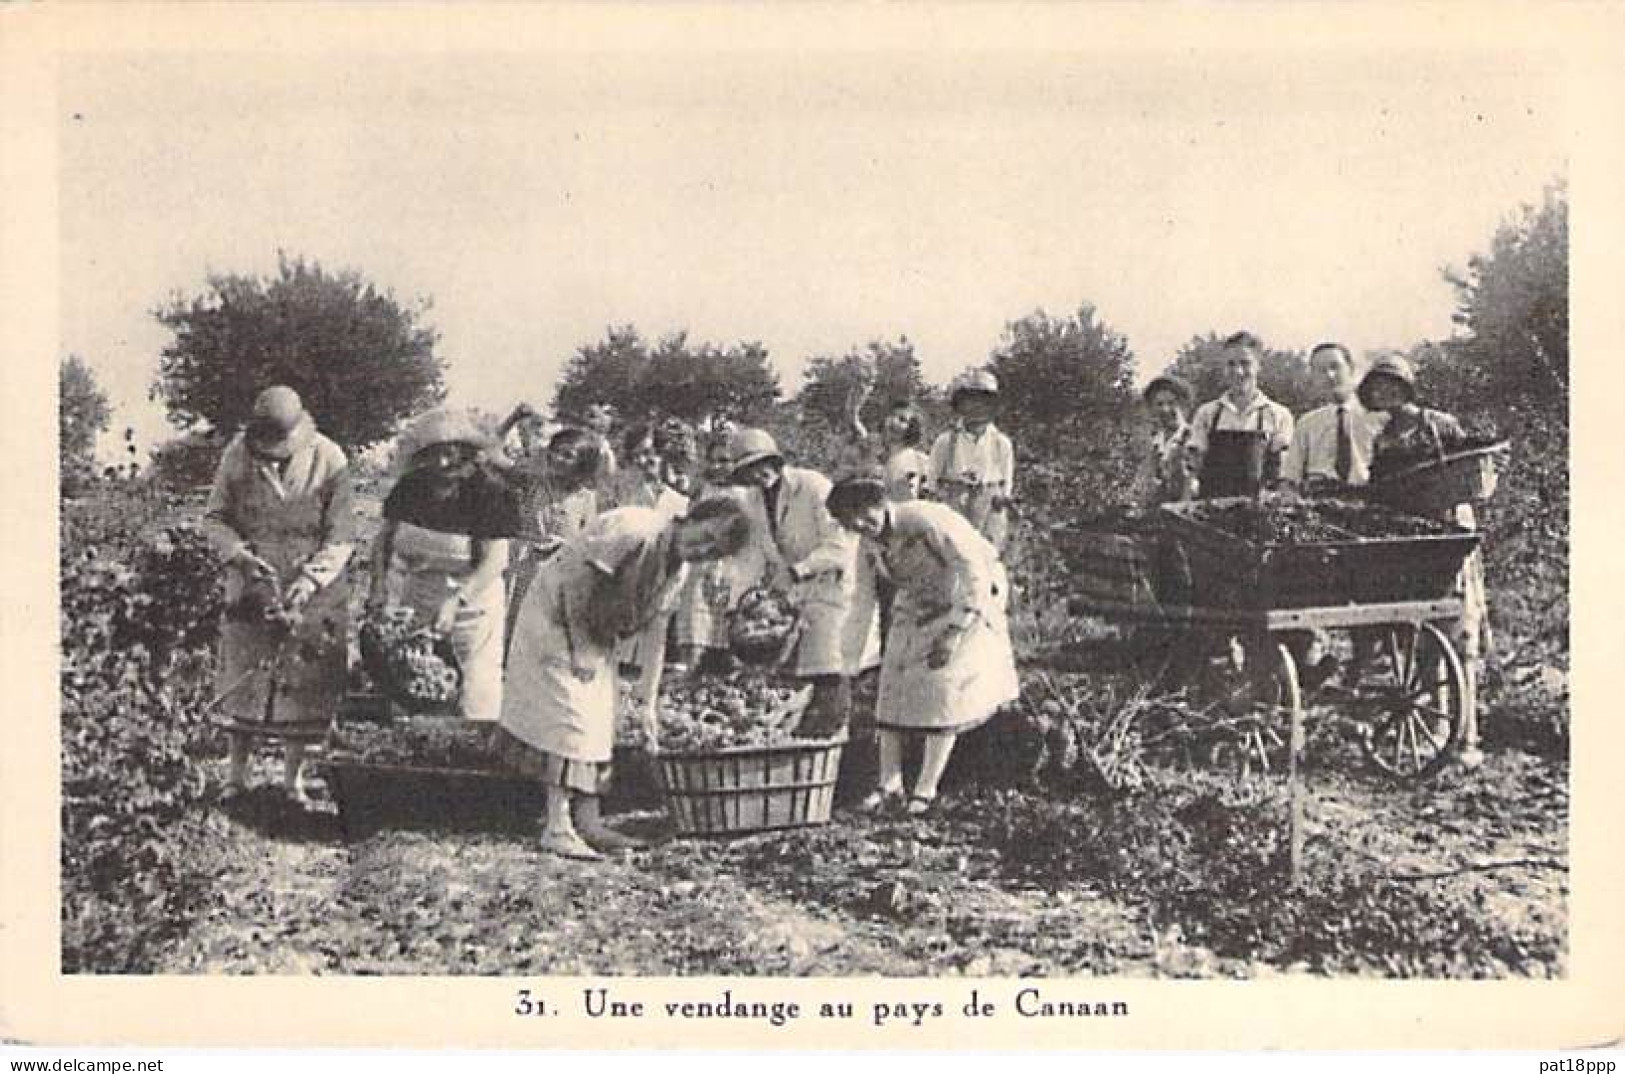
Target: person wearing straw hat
x: 443, y: 547
x: 618, y: 578
x: 948, y: 664
x: 973, y: 465
x: 840, y: 634
x: 279, y: 516
x: 1164, y: 474
x: 1413, y: 431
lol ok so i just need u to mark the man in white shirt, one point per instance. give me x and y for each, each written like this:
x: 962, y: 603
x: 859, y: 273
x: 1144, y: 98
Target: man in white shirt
x: 1243, y: 409
x: 1331, y: 447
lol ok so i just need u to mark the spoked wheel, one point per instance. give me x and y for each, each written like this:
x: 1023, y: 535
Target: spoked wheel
x: 1418, y: 702
x: 1258, y: 709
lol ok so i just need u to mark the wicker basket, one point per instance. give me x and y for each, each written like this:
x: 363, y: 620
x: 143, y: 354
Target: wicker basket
x: 380, y: 669
x: 767, y: 649
x: 1435, y: 486
x: 751, y: 788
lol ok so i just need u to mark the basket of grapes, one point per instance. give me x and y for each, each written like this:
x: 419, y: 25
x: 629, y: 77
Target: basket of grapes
x: 412, y: 664
x: 730, y: 762
x: 763, y: 628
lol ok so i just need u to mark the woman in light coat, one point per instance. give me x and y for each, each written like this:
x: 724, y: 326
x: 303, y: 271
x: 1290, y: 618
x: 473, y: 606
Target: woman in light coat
x: 618, y: 578
x: 948, y: 664
x: 280, y: 517
x: 840, y: 617
x: 443, y: 547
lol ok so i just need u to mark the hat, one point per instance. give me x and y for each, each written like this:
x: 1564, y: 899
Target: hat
x: 1388, y: 365
x: 1169, y: 382
x: 751, y: 446
x: 442, y: 427
x: 979, y: 382
x: 278, y: 424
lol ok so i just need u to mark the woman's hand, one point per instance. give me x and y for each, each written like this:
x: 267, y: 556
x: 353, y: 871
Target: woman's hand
x: 446, y: 617
x: 942, y: 650
x: 253, y: 565
x: 299, y: 594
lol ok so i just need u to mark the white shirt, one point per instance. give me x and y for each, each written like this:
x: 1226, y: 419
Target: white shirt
x: 1314, y: 444
x: 1263, y: 414
x: 989, y: 458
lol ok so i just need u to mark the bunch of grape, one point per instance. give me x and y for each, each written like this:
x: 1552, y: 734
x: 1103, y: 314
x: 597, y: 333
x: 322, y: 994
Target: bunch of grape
x: 701, y: 715
x: 763, y: 620
x: 411, y: 663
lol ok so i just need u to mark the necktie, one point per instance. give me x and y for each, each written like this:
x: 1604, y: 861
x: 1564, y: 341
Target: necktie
x: 1345, y: 446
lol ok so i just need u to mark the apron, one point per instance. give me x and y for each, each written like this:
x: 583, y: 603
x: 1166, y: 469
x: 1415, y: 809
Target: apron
x: 282, y: 685
x: 1237, y: 462
x: 428, y: 566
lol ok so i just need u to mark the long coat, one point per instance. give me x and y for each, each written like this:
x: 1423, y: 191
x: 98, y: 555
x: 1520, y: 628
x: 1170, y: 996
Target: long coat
x: 839, y: 609
x: 622, y: 557
x: 947, y: 576
x: 300, y: 521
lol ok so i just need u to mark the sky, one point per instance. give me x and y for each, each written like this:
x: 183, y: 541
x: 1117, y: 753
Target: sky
x: 812, y: 202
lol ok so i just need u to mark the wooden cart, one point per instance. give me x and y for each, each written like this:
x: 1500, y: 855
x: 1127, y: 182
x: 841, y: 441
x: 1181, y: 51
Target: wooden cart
x: 1231, y: 619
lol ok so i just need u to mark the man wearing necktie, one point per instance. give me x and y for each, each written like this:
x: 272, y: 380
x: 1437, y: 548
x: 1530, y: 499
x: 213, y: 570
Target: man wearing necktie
x: 1331, y: 445
x: 1330, y: 453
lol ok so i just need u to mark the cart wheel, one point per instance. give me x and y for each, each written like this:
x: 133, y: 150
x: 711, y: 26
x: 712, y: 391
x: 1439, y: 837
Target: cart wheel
x: 1420, y: 700
x: 1260, y: 706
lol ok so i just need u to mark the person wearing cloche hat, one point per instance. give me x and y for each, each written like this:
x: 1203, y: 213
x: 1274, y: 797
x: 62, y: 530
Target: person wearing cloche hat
x: 279, y: 515
x: 1414, y: 431
x: 443, y: 547
x: 973, y: 465
x: 841, y: 625
x: 1164, y: 475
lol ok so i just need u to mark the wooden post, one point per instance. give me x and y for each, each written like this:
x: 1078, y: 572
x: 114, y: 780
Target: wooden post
x: 1295, y: 782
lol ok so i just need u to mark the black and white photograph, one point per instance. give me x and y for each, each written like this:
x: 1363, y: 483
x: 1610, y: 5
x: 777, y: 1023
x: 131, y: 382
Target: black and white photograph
x: 794, y: 503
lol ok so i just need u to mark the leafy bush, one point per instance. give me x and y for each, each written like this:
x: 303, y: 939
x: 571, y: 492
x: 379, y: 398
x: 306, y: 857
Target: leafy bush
x: 140, y: 607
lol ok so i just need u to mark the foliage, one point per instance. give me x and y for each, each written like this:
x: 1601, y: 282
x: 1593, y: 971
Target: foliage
x: 140, y: 607
x: 83, y: 415
x: 187, y: 462
x: 697, y: 382
x: 1062, y: 368
x: 1512, y: 303
x: 1282, y: 375
x: 891, y: 369
x: 360, y: 360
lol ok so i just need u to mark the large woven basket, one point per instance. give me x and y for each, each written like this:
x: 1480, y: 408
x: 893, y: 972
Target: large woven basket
x: 1434, y: 486
x: 751, y: 788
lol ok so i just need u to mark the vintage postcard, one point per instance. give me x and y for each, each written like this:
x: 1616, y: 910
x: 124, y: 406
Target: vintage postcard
x: 812, y: 526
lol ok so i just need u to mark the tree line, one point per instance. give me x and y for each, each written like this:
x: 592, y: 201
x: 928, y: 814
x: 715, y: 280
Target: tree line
x: 364, y: 360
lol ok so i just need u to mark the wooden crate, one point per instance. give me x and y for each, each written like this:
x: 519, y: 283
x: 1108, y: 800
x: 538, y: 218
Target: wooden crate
x: 752, y: 788
x: 372, y: 796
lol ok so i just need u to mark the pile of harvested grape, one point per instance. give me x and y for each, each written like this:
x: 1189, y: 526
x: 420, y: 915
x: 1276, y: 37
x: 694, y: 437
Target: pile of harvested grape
x: 720, y: 712
x: 1288, y: 520
x: 409, y: 662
